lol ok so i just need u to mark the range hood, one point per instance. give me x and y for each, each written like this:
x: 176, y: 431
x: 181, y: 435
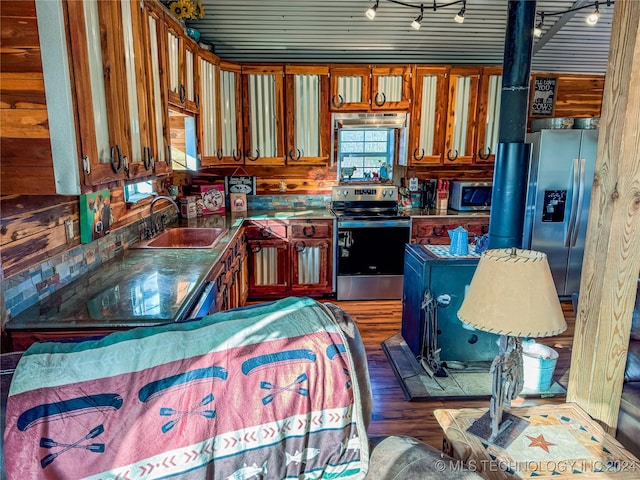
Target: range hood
x: 370, y: 120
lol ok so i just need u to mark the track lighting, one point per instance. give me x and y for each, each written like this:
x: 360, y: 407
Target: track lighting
x: 537, y: 32
x: 417, y: 23
x: 593, y: 18
x: 371, y: 11
x: 459, y: 18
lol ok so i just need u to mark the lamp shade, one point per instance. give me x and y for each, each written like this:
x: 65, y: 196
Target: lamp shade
x: 512, y: 293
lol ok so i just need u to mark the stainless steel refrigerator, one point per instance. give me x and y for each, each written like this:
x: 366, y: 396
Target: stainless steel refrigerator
x: 558, y: 196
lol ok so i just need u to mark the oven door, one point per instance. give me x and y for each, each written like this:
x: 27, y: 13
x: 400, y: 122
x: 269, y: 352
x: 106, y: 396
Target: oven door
x: 370, y: 258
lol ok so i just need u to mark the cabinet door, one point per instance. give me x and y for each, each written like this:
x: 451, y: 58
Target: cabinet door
x: 428, y: 122
x: 191, y: 76
x: 268, y: 267
x: 461, y: 119
x: 208, y: 120
x: 391, y: 88
x: 154, y: 37
x: 96, y: 74
x: 175, y: 62
x: 136, y: 126
x: 488, y: 114
x: 230, y: 107
x: 308, y: 119
x: 350, y: 88
x: 263, y: 115
x: 310, y: 266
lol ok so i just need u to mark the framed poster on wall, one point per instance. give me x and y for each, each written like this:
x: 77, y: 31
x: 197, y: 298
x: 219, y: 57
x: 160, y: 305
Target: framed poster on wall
x: 543, y: 101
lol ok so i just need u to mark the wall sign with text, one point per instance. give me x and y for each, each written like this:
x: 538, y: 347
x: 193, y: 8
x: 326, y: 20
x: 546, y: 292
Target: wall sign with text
x: 544, y: 96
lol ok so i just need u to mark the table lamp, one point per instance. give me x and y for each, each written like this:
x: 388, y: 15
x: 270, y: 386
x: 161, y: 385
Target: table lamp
x: 513, y: 295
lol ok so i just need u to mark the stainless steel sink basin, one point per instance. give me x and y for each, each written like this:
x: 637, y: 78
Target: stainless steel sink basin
x: 185, y: 238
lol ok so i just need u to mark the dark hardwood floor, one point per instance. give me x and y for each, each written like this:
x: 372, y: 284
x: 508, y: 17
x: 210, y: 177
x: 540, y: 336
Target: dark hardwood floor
x: 392, y: 413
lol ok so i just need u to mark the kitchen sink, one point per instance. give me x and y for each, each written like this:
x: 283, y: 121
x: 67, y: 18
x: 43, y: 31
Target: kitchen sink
x: 185, y: 238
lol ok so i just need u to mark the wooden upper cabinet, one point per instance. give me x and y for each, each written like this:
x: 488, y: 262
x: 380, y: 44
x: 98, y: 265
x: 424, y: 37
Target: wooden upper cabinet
x: 429, y: 113
x: 263, y: 114
x: 97, y: 54
x: 209, y: 118
x: 308, y: 120
x: 488, y: 114
x: 230, y: 135
x: 391, y: 87
x: 154, y: 36
x: 181, y: 66
x: 462, y: 115
x: 350, y: 88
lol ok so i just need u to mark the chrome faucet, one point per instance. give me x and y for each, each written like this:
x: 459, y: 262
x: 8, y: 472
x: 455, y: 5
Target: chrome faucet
x: 153, y: 228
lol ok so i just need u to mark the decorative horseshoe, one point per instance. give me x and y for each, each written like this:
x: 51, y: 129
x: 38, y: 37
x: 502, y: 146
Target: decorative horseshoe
x: 238, y: 157
x: 312, y: 233
x: 415, y: 157
x: 146, y: 158
x: 256, y: 248
x: 253, y: 159
x: 116, y: 167
x: 384, y: 99
x: 337, y: 105
x: 438, y: 232
x: 450, y: 157
x: 265, y: 232
x: 483, y: 157
x: 219, y: 153
x: 298, y: 248
x: 291, y: 154
x: 168, y: 159
x: 183, y: 93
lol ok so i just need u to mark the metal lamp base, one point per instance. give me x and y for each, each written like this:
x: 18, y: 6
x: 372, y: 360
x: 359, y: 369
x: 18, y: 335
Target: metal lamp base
x: 510, y: 428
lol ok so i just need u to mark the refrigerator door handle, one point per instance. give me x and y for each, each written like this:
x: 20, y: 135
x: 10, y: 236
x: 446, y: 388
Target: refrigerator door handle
x: 574, y: 236
x: 574, y: 200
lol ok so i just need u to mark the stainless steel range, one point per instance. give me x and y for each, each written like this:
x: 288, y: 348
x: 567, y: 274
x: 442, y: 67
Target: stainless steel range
x: 371, y: 236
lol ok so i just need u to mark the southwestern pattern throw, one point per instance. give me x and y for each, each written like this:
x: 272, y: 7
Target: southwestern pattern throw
x: 264, y: 392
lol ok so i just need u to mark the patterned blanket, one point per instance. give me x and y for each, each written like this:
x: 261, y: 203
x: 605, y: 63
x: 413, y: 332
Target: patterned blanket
x: 263, y: 392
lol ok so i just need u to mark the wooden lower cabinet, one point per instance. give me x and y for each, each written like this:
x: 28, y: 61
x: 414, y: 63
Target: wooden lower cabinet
x: 232, y: 276
x: 290, y: 258
x: 434, y: 230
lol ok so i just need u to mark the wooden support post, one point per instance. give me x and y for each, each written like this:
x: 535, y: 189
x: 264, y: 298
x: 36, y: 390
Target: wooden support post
x: 612, y: 252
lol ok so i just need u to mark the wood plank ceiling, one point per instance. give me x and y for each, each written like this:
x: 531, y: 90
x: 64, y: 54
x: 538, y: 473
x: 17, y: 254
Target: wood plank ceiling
x: 337, y: 31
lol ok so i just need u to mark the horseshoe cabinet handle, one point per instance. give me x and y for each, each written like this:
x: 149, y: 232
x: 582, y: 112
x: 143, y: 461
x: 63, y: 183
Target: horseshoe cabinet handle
x: 415, y: 157
x: 311, y: 233
x: 299, y: 246
x: 484, y: 157
x: 454, y: 156
x: 484, y: 229
x: 219, y: 153
x: 340, y: 100
x: 384, y: 99
x: 168, y: 159
x: 291, y: 157
x: 256, y: 248
x: 438, y: 232
x: 183, y: 93
x: 115, y: 151
x: 253, y: 159
x: 238, y: 157
x: 147, y: 159
x: 197, y: 100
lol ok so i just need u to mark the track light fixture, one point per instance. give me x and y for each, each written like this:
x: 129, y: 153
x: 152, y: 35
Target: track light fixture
x: 593, y: 18
x: 417, y: 23
x: 459, y: 18
x: 537, y: 32
x: 371, y: 11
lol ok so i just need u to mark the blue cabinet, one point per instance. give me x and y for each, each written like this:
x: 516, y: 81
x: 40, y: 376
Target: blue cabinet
x: 446, y: 280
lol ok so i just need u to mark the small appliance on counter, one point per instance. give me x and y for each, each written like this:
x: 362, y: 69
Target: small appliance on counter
x: 428, y: 191
x: 470, y: 195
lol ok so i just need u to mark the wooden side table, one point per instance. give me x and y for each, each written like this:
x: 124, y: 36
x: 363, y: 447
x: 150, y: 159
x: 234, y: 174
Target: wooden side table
x: 561, y: 441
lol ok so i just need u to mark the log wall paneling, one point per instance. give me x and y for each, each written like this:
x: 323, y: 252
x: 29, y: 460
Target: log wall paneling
x: 612, y: 257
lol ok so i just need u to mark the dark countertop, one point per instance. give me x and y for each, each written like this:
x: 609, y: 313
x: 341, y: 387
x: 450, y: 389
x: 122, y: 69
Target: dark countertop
x: 144, y: 287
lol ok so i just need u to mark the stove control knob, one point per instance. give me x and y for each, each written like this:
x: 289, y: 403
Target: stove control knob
x: 345, y: 193
x: 390, y: 193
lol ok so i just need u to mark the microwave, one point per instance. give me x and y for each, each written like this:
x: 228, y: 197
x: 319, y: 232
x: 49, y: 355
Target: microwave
x: 470, y: 196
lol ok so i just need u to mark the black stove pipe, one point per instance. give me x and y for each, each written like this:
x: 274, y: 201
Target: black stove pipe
x: 508, y: 199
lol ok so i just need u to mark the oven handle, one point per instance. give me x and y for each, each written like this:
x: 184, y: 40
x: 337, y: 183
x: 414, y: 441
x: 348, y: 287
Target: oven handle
x: 373, y: 223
